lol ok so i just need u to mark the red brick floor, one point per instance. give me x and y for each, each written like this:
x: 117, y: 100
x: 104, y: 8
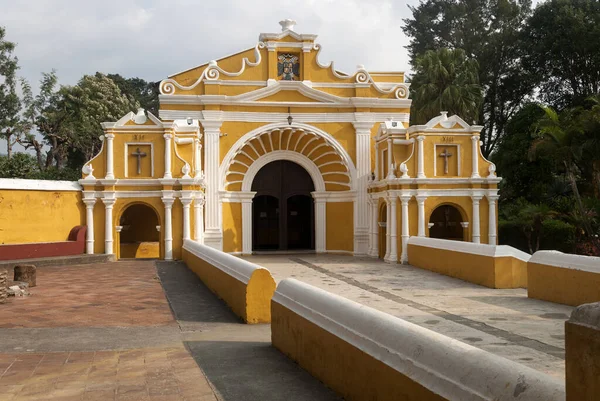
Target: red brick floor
x: 98, y: 295
x: 110, y: 294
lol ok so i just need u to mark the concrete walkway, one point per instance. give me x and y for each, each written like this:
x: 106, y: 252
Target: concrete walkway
x: 504, y: 322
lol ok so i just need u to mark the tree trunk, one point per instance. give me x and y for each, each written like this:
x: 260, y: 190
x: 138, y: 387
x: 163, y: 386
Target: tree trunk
x: 573, y: 182
x: 596, y: 178
x: 7, y: 135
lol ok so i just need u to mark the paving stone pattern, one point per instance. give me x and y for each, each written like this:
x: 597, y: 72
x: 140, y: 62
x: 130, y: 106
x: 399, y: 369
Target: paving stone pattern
x: 504, y: 322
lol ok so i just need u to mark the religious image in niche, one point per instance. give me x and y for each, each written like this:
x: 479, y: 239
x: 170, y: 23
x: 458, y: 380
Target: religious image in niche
x: 288, y: 67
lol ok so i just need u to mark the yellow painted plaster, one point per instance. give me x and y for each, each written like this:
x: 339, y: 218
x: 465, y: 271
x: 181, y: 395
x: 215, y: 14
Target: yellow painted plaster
x: 39, y: 216
x: 340, y: 226
x: 564, y: 286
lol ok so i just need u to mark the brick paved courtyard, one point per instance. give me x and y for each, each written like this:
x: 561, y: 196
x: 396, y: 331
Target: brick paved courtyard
x: 116, y: 306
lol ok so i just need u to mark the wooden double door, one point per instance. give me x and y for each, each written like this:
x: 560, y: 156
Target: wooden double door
x: 283, y: 208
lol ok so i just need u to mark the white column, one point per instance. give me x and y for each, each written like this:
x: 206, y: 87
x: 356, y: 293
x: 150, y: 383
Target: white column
x: 168, y: 231
x: 197, y: 157
x: 475, y: 154
x: 363, y: 170
x: 405, y: 228
x: 168, y: 140
x: 108, y: 227
x: 393, y: 255
x: 421, y: 157
x: 320, y: 225
x: 476, y: 235
x: 388, y: 224
x: 492, y: 219
x: 199, y: 218
x: 186, y: 202
x: 421, y: 212
x: 89, y: 217
x: 213, y: 235
x: 110, y: 174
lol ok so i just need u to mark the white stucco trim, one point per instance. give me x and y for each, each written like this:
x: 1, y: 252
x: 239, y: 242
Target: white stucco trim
x: 496, y: 251
x: 268, y: 117
x: 447, y: 367
x: 240, y: 143
x: 289, y: 155
x: 126, y: 156
x: 567, y: 261
x: 39, y: 185
x: 436, y: 155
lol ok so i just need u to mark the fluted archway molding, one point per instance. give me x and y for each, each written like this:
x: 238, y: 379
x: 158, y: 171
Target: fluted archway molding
x: 317, y: 151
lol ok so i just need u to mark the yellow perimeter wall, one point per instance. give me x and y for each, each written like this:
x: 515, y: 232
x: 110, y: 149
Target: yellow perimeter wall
x: 28, y: 216
x: 501, y: 271
x: 562, y: 278
x: 246, y: 289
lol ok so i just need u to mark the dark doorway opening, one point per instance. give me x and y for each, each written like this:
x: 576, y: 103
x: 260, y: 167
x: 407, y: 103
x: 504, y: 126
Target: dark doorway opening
x: 283, y: 208
x: 139, y: 237
x: 446, y: 221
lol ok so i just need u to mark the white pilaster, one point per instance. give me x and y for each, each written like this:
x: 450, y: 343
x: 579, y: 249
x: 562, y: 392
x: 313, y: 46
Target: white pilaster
x: 320, y: 225
x: 110, y: 163
x: 374, y: 250
x: 476, y: 235
x: 421, y: 157
x: 197, y: 157
x: 168, y: 231
x: 492, y: 219
x: 393, y: 224
x: 363, y: 168
x: 475, y: 154
x: 108, y: 225
x: 387, y: 229
x: 213, y: 235
x: 168, y: 142
x: 376, y: 161
x: 247, y: 223
x: 186, y: 202
x: 89, y: 217
x: 421, y: 214
x: 199, y: 218
x: 405, y: 228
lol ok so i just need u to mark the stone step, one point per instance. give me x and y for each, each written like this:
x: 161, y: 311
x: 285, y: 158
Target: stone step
x: 58, y: 261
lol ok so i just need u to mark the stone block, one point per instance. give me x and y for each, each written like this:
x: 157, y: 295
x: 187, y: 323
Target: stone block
x: 26, y: 273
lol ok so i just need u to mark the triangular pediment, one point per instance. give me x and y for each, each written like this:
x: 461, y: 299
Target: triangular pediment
x: 289, y: 92
x: 145, y: 119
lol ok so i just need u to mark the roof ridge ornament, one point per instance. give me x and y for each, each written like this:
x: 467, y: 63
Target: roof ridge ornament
x: 287, y: 24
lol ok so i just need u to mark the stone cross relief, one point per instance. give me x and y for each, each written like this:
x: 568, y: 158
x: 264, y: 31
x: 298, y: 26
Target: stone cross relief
x: 139, y: 156
x: 445, y: 154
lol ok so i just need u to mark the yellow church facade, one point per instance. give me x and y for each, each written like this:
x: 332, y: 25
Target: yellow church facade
x: 271, y: 150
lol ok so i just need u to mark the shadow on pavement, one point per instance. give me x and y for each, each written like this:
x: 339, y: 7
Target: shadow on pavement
x: 255, y: 371
x: 189, y: 298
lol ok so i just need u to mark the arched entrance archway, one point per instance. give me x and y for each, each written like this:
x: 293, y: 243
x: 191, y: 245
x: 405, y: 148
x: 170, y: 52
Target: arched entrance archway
x: 283, y: 208
x: 139, y: 237
x: 445, y: 223
x: 382, y: 231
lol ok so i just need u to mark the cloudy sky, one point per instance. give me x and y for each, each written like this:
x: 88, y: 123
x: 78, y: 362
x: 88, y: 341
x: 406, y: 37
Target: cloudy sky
x: 153, y: 39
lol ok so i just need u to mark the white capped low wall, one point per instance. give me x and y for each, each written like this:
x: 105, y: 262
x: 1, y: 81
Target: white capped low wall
x: 446, y: 367
x: 567, y: 261
x: 238, y: 268
x: 496, y: 251
x: 38, y: 185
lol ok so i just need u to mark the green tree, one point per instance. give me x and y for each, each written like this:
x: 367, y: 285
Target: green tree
x: 560, y: 134
x: 562, y: 48
x: 489, y: 31
x: 20, y: 165
x: 145, y: 92
x: 10, y: 104
x: 445, y: 79
x: 94, y: 100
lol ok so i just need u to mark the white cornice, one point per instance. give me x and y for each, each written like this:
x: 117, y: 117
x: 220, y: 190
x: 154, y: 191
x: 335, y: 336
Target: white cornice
x: 282, y: 117
x: 38, y: 185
